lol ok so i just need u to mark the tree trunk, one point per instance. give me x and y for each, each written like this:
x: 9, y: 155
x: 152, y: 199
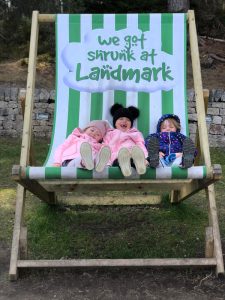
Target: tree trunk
x: 178, y: 5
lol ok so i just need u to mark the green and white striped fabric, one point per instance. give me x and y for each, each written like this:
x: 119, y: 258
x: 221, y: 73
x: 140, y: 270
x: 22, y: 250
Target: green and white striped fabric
x: 132, y: 59
x: 49, y: 173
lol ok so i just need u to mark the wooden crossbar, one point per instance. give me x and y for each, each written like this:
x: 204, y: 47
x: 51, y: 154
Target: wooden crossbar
x: 136, y: 262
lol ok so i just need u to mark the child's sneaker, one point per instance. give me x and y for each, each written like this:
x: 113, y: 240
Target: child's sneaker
x: 124, y: 162
x: 103, y: 158
x: 153, y: 152
x: 86, y: 156
x: 139, y: 159
x: 188, y: 153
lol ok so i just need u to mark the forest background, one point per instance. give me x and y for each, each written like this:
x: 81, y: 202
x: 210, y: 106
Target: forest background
x: 15, y: 19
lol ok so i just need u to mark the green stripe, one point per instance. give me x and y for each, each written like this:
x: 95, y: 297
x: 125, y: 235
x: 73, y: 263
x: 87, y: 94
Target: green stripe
x: 115, y: 173
x: 144, y: 22
x: 27, y: 172
x: 74, y: 96
x: 84, y: 174
x: 204, y: 170
x: 120, y: 97
x: 179, y: 173
x: 96, y: 106
x: 97, y: 21
x: 167, y: 102
x: 120, y: 21
x: 73, y: 110
x: 167, y: 33
x: 150, y: 174
x: 143, y: 121
x: 52, y: 173
x: 74, y: 29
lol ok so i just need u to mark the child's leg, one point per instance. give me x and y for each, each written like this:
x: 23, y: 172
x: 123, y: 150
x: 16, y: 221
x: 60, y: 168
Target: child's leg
x: 124, y: 161
x: 188, y: 153
x: 86, y: 156
x: 177, y: 161
x: 139, y: 159
x: 153, y: 152
x: 103, y: 158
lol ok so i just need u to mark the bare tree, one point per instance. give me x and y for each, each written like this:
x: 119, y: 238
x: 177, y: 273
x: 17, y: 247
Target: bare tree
x: 178, y: 5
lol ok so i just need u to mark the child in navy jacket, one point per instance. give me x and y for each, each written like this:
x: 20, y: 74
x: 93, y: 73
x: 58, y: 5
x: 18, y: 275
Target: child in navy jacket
x: 168, y: 146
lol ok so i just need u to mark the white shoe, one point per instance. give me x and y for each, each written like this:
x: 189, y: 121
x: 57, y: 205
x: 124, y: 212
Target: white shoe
x: 103, y: 158
x: 124, y: 162
x: 86, y: 156
x: 139, y: 159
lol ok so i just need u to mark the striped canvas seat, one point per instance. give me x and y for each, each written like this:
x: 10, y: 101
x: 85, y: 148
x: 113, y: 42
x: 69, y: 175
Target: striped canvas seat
x: 133, y: 59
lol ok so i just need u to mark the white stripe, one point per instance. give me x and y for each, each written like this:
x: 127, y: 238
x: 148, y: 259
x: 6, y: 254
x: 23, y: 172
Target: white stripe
x: 155, y: 31
x: 195, y: 172
x: 178, y: 53
x: 155, y: 109
x: 132, y: 100
x: 85, y: 109
x: 62, y: 89
x: 164, y: 173
x: 68, y: 172
x: 109, y: 21
x: 108, y: 101
x: 37, y: 173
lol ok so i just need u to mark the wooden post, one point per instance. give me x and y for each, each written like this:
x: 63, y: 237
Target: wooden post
x: 209, y: 243
x: 22, y: 99
x: 26, y: 139
x: 203, y: 136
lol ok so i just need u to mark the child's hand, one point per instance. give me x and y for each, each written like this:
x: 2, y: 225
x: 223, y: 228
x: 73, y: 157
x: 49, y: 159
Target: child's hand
x: 161, y: 154
x: 56, y: 165
x: 146, y: 163
x: 179, y: 154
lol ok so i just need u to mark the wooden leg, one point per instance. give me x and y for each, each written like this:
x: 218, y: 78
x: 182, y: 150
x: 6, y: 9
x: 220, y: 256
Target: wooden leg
x: 209, y: 242
x: 20, y: 197
x: 23, y: 242
x: 215, y: 229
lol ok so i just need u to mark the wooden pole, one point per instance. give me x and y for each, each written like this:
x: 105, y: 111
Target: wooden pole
x: 203, y: 135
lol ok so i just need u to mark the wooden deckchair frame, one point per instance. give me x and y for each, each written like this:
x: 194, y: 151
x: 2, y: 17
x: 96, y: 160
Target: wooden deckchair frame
x: 181, y: 189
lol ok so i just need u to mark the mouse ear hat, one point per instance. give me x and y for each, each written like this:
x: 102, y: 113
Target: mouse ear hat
x: 118, y: 111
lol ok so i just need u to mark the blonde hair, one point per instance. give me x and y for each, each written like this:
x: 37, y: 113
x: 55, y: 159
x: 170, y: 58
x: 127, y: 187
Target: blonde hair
x: 173, y: 121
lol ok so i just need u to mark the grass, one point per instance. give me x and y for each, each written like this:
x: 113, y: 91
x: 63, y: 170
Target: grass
x: 164, y: 230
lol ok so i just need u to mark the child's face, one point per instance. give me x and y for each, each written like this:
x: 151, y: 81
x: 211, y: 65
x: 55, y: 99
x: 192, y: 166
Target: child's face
x: 168, y: 126
x: 123, y: 124
x: 94, y: 132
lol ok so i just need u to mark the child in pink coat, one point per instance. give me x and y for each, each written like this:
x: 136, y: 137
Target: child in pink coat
x: 83, y: 148
x: 126, y: 143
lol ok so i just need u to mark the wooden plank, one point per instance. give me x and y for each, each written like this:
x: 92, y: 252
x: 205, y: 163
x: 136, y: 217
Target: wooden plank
x: 26, y: 138
x: 112, y: 200
x: 22, y: 99
x: 23, y: 242
x: 148, y: 262
x: 209, y: 243
x: 203, y: 134
x: 216, y: 232
x: 197, y: 141
x: 20, y: 196
x: 34, y: 187
x: 46, y: 18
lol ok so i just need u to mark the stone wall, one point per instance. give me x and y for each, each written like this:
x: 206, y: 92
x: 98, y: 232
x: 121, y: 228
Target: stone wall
x: 11, y: 114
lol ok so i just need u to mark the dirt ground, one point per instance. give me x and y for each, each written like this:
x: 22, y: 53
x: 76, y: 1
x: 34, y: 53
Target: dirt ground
x: 113, y: 283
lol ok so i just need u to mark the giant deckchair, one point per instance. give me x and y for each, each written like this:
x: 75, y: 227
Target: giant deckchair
x: 133, y: 59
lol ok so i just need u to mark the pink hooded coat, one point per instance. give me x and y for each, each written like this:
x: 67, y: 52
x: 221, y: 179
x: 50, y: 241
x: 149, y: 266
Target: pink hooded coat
x: 117, y: 139
x: 70, y: 149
